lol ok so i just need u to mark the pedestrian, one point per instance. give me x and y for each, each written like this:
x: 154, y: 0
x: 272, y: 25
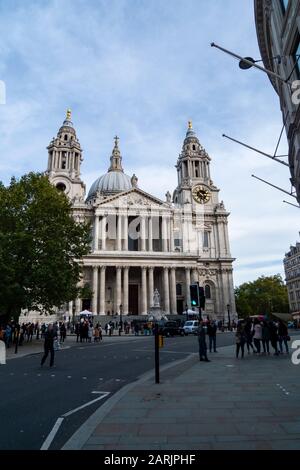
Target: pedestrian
x: 109, y: 328
x: 8, y: 333
x: 273, y: 337
x: 50, y: 336
x: 283, y: 336
x: 90, y: 332
x: 248, y: 335
x: 257, y: 336
x: 265, y: 337
x: 63, y: 332
x: 212, y: 335
x: 202, y: 342
x: 240, y: 340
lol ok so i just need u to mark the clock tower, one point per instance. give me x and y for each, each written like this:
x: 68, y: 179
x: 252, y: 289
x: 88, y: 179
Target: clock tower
x: 194, y: 182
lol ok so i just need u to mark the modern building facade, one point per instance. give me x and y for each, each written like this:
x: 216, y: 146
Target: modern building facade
x: 292, y: 274
x: 141, y: 243
x: 278, y: 33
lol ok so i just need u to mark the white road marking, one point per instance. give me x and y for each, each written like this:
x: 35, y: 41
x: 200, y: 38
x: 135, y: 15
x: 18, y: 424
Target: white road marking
x: 69, y: 376
x: 46, y: 444
x: 104, y: 394
x: 52, y: 434
x: 229, y: 365
x: 53, y: 375
x: 84, y: 378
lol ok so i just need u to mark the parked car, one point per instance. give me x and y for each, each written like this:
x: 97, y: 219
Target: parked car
x: 190, y: 327
x: 170, y: 328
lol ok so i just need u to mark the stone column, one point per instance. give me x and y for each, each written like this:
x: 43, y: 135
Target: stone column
x: 119, y: 287
x: 77, y: 306
x: 102, y: 290
x: 125, y: 290
x: 96, y: 233
x: 119, y: 233
x: 144, y: 290
x: 166, y: 290
x: 125, y: 232
x: 151, y: 285
x: 187, y: 287
x: 95, y: 290
x: 173, y: 291
x: 150, y: 234
x: 171, y: 233
x: 143, y: 233
x: 164, y: 234
x: 103, y: 232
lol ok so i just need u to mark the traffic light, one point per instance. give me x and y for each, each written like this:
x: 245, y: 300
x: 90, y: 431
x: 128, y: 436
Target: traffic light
x: 202, y: 298
x: 194, y: 294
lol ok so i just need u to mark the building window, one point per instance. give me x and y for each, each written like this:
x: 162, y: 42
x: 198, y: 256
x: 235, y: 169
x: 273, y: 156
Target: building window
x: 194, y: 147
x: 207, y: 292
x: 61, y: 187
x: 205, y: 239
x: 65, y: 137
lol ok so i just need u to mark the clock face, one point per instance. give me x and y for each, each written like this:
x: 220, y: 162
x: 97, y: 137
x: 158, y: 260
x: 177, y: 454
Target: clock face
x: 201, y: 194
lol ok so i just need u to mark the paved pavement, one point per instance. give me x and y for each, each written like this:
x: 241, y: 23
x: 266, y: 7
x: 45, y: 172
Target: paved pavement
x: 250, y: 403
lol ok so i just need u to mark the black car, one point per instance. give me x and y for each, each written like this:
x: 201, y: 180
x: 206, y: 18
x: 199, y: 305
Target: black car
x: 170, y: 328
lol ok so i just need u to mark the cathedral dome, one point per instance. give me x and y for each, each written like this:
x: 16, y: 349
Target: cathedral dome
x: 110, y: 183
x: 115, y: 180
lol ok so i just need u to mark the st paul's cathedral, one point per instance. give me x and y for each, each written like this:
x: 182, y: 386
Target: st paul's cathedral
x: 142, y: 243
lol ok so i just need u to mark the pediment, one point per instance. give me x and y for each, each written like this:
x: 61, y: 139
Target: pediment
x: 133, y: 198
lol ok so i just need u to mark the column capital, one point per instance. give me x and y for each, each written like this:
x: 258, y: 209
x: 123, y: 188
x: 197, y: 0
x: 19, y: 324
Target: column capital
x: 119, y: 267
x: 126, y: 268
x: 150, y: 268
x: 103, y: 268
x: 173, y: 268
x: 144, y: 268
x: 95, y: 267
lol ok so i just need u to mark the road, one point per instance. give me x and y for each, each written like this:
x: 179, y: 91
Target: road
x: 34, y: 398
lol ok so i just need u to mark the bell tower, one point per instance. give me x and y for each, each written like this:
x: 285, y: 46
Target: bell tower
x: 192, y: 167
x: 64, y: 161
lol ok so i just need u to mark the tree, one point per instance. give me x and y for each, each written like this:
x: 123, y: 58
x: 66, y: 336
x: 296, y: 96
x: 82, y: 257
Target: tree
x: 41, y: 246
x: 266, y: 294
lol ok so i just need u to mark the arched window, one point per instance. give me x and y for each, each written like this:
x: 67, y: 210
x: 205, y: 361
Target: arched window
x: 66, y: 137
x: 61, y: 187
x: 207, y: 292
x: 194, y: 147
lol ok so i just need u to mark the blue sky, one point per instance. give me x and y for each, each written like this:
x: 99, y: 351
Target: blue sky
x: 141, y: 69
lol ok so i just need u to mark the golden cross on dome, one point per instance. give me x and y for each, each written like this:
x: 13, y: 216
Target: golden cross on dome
x: 190, y: 125
x: 68, y: 116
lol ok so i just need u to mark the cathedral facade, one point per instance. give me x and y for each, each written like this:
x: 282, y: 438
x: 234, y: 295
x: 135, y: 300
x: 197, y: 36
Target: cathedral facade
x: 141, y: 243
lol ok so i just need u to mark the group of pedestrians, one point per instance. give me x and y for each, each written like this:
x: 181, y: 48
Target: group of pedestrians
x: 258, y: 335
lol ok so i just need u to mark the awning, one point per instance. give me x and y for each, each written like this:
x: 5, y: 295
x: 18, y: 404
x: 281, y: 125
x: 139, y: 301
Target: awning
x: 283, y: 316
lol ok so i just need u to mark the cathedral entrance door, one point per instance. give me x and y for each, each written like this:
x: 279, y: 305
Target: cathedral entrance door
x: 133, y: 299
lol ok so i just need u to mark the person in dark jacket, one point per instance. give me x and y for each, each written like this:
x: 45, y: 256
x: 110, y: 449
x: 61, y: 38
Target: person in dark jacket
x: 202, y: 342
x: 283, y: 335
x: 265, y: 337
x: 212, y: 335
x: 240, y: 340
x: 50, y: 336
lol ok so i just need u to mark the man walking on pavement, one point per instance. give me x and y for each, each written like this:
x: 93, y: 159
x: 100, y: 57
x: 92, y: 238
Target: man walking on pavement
x: 202, y: 342
x: 50, y: 335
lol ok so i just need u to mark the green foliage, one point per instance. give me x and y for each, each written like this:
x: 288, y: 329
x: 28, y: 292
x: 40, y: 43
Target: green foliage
x: 41, y: 246
x: 265, y: 295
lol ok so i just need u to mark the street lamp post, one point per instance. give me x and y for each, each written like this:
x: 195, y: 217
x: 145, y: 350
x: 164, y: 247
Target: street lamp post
x: 228, y: 307
x: 121, y: 320
x: 186, y: 312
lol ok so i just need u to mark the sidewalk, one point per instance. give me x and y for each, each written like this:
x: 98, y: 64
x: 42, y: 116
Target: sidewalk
x: 225, y: 404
